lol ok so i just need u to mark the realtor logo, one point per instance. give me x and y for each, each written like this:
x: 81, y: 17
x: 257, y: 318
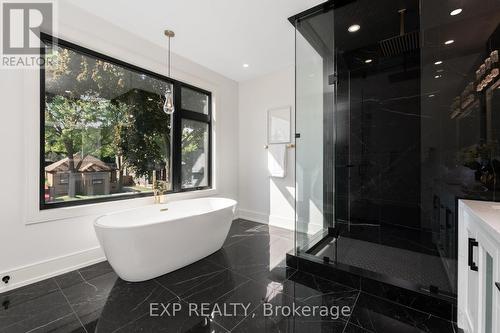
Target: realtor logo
x: 22, y: 24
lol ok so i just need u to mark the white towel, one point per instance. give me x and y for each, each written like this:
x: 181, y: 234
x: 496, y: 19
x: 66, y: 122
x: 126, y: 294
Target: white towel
x: 276, y: 160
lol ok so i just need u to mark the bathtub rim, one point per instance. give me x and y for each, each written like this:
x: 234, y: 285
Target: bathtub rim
x: 231, y: 203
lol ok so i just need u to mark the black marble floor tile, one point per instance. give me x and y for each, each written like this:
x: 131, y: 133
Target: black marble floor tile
x: 274, y: 316
x: 281, y: 232
x: 125, y: 303
x: 258, y: 241
x: 69, y: 279
x: 65, y: 324
x: 263, y: 273
x: 313, y: 290
x: 89, y: 297
x: 189, y: 278
x: 30, y: 292
x: 247, y: 223
x: 237, y: 233
x: 250, y: 295
x: 106, y: 302
x: 237, y: 254
x: 32, y: 306
x: 258, y: 236
x: 28, y: 312
x: 95, y: 270
x: 180, y: 322
x: 270, y: 251
x: 233, y: 239
x: 214, y: 288
x: 350, y: 328
x: 278, y: 249
x: 378, y: 315
x: 245, y: 227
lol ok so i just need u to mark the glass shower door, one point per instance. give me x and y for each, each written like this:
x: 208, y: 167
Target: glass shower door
x: 315, y: 88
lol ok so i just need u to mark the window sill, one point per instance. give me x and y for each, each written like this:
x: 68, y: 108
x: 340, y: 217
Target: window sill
x: 34, y: 216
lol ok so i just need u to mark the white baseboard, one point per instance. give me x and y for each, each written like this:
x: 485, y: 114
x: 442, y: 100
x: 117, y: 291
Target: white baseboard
x: 253, y: 216
x: 42, y: 270
x: 277, y: 221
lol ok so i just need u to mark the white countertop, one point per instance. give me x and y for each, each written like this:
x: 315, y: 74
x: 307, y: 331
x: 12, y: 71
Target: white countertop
x: 488, y: 212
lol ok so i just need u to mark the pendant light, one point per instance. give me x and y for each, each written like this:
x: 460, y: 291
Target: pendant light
x: 168, y: 106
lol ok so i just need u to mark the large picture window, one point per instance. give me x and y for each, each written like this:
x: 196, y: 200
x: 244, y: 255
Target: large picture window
x: 105, y: 136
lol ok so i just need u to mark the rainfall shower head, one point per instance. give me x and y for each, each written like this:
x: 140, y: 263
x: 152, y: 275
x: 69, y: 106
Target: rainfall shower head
x: 403, y: 43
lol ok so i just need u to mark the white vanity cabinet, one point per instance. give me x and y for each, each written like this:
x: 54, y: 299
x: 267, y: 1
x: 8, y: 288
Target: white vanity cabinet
x: 478, y: 266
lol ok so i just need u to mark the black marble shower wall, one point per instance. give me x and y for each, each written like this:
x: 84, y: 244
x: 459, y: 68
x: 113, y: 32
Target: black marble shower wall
x: 378, y: 134
x: 412, y: 133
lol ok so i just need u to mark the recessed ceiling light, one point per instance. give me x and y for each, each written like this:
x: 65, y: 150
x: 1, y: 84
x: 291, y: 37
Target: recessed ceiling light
x: 67, y: 91
x: 448, y: 42
x: 456, y: 11
x: 437, y: 76
x: 354, y: 28
x: 367, y: 61
x: 431, y: 95
x: 440, y: 71
x: 246, y: 65
x: 439, y: 62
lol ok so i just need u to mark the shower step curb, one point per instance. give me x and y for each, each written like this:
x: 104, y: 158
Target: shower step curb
x: 394, y: 290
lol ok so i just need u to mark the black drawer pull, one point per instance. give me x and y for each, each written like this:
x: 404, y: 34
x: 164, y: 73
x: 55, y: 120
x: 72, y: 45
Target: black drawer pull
x: 498, y: 285
x: 472, y: 264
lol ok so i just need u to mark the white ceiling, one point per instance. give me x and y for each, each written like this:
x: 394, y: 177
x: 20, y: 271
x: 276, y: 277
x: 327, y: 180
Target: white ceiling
x: 219, y: 34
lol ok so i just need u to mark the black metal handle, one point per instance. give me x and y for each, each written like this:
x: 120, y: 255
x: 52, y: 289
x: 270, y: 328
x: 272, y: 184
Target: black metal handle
x: 472, y: 264
x: 498, y: 285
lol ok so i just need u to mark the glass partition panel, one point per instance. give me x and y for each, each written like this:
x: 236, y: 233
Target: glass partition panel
x: 314, y: 118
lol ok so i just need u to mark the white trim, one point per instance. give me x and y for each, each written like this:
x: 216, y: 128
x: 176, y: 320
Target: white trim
x: 253, y: 216
x: 274, y: 220
x: 24, y: 275
x: 96, y: 209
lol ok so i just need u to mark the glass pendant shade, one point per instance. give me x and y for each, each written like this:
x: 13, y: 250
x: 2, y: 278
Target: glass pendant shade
x: 168, y: 106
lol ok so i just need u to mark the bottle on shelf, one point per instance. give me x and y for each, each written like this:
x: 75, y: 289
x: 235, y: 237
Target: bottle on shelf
x: 495, y: 68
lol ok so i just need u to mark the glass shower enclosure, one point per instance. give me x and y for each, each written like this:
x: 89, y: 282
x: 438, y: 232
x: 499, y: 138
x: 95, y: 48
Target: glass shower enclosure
x: 394, y: 123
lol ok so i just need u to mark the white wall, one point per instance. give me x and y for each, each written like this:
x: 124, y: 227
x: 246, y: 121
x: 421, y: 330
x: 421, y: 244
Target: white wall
x: 28, y: 252
x: 261, y: 198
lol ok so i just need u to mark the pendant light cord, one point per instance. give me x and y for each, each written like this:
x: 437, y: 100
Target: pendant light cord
x: 169, y: 56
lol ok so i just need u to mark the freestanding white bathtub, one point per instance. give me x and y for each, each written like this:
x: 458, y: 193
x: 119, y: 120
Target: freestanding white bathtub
x: 146, y: 242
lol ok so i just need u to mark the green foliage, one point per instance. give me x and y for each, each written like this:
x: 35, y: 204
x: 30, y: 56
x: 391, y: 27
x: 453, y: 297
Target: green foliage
x: 145, y: 139
x: 97, y: 108
x: 193, y: 142
x: 114, y: 114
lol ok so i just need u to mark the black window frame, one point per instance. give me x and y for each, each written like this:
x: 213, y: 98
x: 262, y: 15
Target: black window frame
x: 176, y: 127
